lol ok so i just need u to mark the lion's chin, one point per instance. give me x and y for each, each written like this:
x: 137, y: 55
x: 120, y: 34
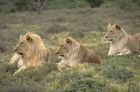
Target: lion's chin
x: 108, y: 41
x: 61, y: 56
x: 20, y: 54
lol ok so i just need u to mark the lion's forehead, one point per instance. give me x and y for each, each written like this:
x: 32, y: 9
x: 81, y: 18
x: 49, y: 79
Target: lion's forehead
x: 62, y: 42
x: 111, y: 29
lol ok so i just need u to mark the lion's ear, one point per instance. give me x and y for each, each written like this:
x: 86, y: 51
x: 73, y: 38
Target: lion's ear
x: 117, y: 26
x: 20, y: 37
x: 68, y: 40
x: 109, y: 25
x: 29, y: 38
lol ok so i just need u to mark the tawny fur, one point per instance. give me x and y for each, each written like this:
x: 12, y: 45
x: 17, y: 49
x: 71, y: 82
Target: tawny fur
x: 120, y: 42
x: 73, y: 53
x: 138, y: 38
x: 30, y: 51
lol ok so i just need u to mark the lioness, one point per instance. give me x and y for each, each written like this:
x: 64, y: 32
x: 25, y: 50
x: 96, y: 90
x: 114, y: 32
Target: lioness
x: 30, y: 51
x: 138, y: 37
x: 73, y: 53
x: 120, y: 42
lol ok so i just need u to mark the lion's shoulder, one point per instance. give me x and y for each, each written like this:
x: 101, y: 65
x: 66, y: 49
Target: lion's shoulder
x: 137, y: 36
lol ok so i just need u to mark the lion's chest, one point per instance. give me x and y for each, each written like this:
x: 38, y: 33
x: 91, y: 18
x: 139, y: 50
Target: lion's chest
x: 118, y: 47
x: 73, y: 60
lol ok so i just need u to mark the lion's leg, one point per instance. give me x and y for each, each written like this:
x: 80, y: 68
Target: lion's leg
x: 19, y: 70
x: 125, y: 53
x: 20, y: 63
x: 74, y: 63
x: 61, y: 65
x: 112, y: 52
x: 139, y: 52
x: 14, y: 59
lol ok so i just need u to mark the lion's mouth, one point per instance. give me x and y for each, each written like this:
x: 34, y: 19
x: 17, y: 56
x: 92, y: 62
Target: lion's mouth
x: 20, y: 53
x: 62, y: 55
x: 109, y: 40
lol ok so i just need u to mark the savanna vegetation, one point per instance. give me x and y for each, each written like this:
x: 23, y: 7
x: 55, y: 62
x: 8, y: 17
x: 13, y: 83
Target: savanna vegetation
x: 88, y: 26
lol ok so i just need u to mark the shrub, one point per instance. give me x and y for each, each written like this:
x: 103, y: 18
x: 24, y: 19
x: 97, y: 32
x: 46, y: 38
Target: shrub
x: 85, y: 85
x: 2, y: 47
x: 37, y: 73
x: 22, y: 5
x: 128, y: 4
x: 22, y: 87
x: 56, y: 29
x: 82, y: 4
x: 95, y: 3
x: 119, y: 73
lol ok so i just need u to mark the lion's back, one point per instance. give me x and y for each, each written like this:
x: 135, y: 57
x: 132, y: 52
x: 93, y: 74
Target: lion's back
x: 90, y: 56
x: 138, y: 38
x: 94, y: 56
x: 132, y: 43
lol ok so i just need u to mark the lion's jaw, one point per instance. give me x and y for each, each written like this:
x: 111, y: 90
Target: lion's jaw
x: 108, y: 41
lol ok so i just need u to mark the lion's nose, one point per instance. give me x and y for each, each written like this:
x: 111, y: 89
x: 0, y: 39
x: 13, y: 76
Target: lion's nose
x: 15, y: 50
x: 106, y: 36
x: 56, y: 52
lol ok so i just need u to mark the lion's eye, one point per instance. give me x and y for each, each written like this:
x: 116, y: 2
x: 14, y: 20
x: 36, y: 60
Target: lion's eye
x: 111, y: 31
x: 62, y: 45
x: 21, y: 43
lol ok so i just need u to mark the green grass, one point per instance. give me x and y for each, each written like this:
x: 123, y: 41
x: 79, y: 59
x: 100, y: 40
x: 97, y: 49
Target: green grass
x: 88, y: 26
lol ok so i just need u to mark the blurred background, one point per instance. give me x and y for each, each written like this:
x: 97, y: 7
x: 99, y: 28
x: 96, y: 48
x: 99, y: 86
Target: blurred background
x: 7, y: 6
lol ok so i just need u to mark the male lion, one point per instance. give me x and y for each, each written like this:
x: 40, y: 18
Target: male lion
x: 73, y: 53
x: 120, y: 42
x: 30, y: 51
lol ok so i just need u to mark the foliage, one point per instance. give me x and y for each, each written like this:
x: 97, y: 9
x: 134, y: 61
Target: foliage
x: 119, y: 73
x: 128, y: 4
x: 85, y: 85
x: 95, y: 3
x: 20, y: 86
x: 23, y: 5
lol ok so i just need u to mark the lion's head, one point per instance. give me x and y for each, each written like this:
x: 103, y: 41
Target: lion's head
x: 114, y: 32
x: 65, y: 45
x: 27, y: 44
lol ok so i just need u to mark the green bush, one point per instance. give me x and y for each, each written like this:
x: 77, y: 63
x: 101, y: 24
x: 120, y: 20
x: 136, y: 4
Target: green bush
x: 56, y: 4
x: 95, y: 3
x: 85, y: 85
x: 128, y: 4
x: 2, y: 47
x: 119, y: 73
x: 38, y: 73
x: 19, y: 86
x: 23, y: 5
